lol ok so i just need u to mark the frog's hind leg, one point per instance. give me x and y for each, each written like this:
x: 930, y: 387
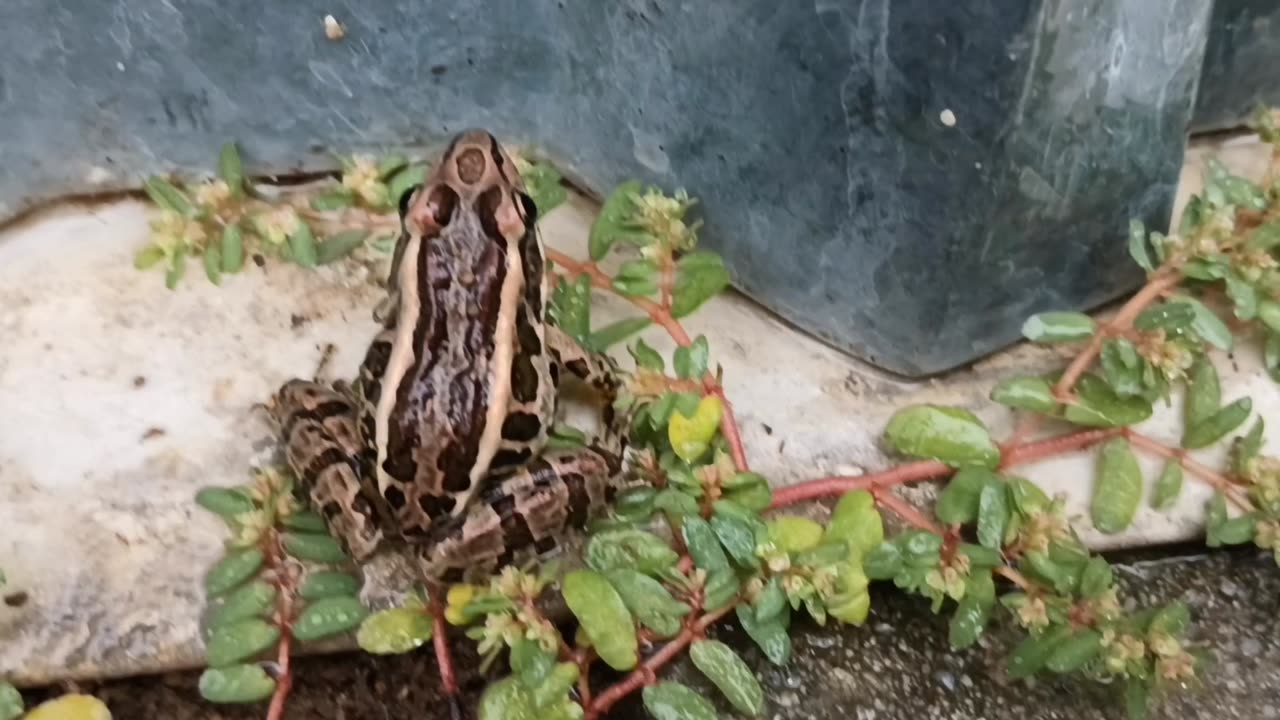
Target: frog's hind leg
x: 323, y: 449
x: 528, y: 512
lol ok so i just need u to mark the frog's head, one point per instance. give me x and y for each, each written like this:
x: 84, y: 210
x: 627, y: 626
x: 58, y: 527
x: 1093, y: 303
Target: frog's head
x: 475, y: 174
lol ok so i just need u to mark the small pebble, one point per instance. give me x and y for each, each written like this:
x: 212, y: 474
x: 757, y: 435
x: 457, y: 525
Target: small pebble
x: 948, y: 118
x: 333, y: 29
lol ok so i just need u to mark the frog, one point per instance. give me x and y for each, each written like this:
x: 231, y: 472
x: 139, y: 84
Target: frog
x: 442, y: 442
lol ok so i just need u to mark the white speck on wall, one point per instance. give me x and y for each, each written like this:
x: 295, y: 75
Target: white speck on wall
x: 97, y: 175
x: 649, y: 151
x: 120, y: 66
x: 333, y: 29
x: 948, y: 118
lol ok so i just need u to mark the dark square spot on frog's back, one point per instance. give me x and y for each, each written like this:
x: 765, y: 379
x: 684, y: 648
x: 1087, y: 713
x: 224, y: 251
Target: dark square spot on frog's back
x: 524, y: 379
x: 521, y: 427
x: 395, y: 497
x: 529, y: 342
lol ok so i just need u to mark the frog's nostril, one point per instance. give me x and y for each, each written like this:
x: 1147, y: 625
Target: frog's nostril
x: 470, y: 165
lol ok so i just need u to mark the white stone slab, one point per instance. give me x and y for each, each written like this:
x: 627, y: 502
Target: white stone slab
x: 119, y: 399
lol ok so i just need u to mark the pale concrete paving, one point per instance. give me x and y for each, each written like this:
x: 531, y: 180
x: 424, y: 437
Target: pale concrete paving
x: 121, y: 399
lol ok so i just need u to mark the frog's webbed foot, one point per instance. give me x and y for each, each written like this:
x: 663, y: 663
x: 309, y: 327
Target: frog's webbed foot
x: 528, y: 512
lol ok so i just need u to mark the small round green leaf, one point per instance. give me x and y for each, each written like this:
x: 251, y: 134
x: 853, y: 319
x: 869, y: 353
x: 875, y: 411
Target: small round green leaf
x: 10, y: 702
x: 738, y: 538
x: 336, y: 199
x: 314, y: 547
x: 177, y: 269
x: 1168, y: 487
x: 1170, y: 316
x: 1118, y: 489
x: 794, y: 534
x: 603, y: 616
x: 236, y: 684
x: 1027, y: 496
x: 1204, y: 392
x: 1055, y: 327
x: 230, y: 168
x: 329, y: 583
x: 1208, y: 325
x: 1097, y: 405
x: 1075, y: 651
x: 970, y: 619
x: 951, y: 435
x: 213, y: 264
x: 70, y: 706
x: 231, y: 570
x: 1026, y: 393
x: 302, y: 246
x: 691, y: 435
x: 166, y: 195
x: 227, y: 502
x: 703, y: 544
x: 615, y: 332
x: 673, y: 701
x: 1269, y: 314
x: 856, y: 522
x: 770, y: 635
x: 251, y: 600
x: 329, y: 616
x: 1096, y: 577
x: 235, y: 642
x: 306, y: 521
x: 700, y: 276
x: 1033, y: 652
x: 232, y: 247
x: 730, y: 674
x: 1215, y: 427
x: 337, y: 246
x: 394, y: 631
x: 630, y: 548
x: 148, y: 257
x: 608, y: 226
x: 993, y: 514
x: 883, y: 561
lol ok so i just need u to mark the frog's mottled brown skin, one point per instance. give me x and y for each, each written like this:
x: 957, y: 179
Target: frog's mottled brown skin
x: 440, y: 440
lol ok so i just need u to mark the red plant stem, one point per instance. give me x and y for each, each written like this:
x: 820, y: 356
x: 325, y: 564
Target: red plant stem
x: 932, y: 469
x: 440, y: 641
x: 905, y: 510
x: 661, y: 315
x: 644, y: 675
x: 1197, y: 469
x: 1162, y: 280
x: 284, y: 610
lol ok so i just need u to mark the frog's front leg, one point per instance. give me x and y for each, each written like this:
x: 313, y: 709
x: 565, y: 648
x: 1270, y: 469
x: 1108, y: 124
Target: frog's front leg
x: 528, y: 512
x: 324, y: 451
x: 598, y: 371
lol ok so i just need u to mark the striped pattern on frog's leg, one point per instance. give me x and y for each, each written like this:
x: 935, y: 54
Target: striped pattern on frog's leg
x: 323, y: 449
x: 527, y: 513
x: 600, y: 373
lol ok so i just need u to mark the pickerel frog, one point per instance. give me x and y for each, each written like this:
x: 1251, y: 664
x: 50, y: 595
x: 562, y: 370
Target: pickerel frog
x: 441, y: 440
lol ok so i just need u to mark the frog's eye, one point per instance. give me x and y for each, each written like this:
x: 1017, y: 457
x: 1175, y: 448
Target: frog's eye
x: 430, y: 210
x: 406, y: 197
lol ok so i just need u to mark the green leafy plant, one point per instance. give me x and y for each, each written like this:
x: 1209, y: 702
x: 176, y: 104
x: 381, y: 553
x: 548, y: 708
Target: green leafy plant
x: 700, y: 540
x: 280, y: 581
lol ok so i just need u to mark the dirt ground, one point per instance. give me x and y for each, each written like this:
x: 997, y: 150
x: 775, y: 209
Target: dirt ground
x: 897, y: 665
